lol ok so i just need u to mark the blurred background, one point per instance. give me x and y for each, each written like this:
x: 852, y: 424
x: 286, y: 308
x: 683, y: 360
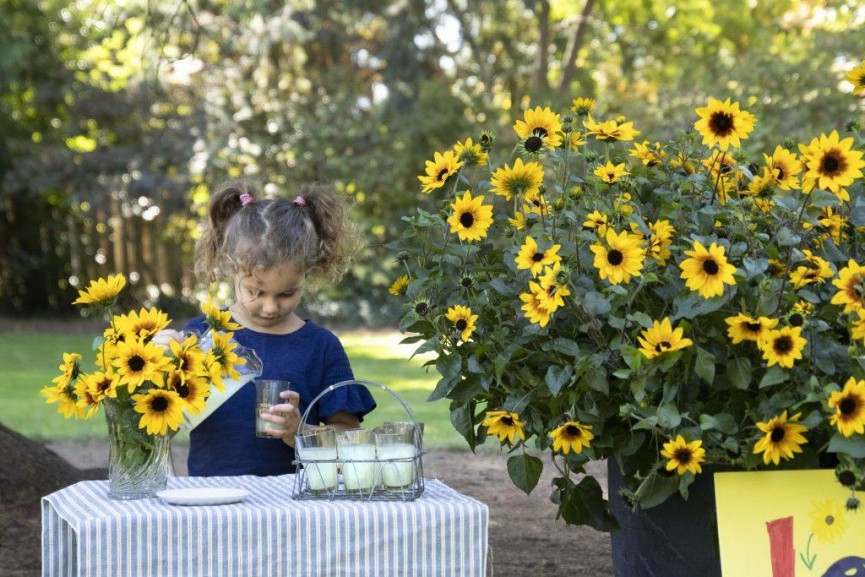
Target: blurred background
x: 118, y: 118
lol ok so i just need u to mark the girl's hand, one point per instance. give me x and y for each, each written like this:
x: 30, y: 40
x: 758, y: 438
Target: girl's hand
x: 286, y: 415
x: 164, y: 337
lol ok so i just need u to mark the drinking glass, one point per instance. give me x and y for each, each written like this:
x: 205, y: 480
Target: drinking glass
x: 267, y: 395
x: 356, y: 448
x: 314, y: 446
x: 399, y: 446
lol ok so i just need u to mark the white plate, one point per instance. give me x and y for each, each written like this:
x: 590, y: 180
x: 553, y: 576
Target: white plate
x: 203, y: 496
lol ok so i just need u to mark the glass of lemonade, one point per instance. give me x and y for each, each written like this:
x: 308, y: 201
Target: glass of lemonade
x: 397, y: 444
x: 314, y: 446
x: 267, y: 395
x: 356, y: 448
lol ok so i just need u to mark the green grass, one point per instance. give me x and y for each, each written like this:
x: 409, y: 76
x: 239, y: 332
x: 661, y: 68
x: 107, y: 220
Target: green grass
x: 30, y: 361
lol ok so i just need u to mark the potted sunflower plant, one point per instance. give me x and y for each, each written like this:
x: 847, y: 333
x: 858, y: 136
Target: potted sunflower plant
x: 146, y: 392
x: 675, y: 308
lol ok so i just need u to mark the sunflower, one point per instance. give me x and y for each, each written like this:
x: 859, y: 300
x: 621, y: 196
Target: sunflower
x: 470, y: 154
x: 857, y: 326
x: 852, y: 293
x: 745, y: 328
x: 439, y: 170
x: 463, y: 319
x: 102, y: 293
x: 101, y: 386
x: 518, y: 221
x: 533, y: 307
x: 830, y: 223
x: 578, y: 139
x: 817, y: 271
x: 536, y: 204
x: 213, y: 370
x: 777, y: 268
x: 554, y: 284
x: 682, y: 161
x: 471, y: 218
x: 160, y: 409
x: 849, y: 405
x: 540, y: 127
x: 188, y: 358
x: 723, y: 123
x: 111, y: 337
x: 399, y: 286
x: 224, y: 357
x: 660, y: 238
x: 70, y: 370
x: 532, y: 258
x: 724, y: 175
x: 504, y: 425
x: 65, y: 395
x: 521, y: 179
x: 782, y: 346
x: 582, y: 106
x: 216, y: 319
x: 828, y: 520
x: 138, y: 362
x: 193, y: 392
x: 684, y: 457
x: 660, y: 338
x: 832, y: 163
x: 143, y: 325
x: 611, y: 130
x: 621, y: 258
x: 782, y: 438
x: 707, y: 271
x: 597, y: 221
x: 610, y: 172
x: 762, y: 186
x: 783, y: 168
x: 649, y: 154
x: 87, y: 401
x: 572, y: 436
x: 856, y: 77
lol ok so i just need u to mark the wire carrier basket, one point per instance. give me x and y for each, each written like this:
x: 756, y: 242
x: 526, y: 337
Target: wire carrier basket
x: 305, y: 480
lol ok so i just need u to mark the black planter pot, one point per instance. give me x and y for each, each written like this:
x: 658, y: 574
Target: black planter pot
x: 675, y: 539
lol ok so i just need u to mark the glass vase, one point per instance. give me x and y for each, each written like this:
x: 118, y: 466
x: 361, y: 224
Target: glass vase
x: 138, y: 463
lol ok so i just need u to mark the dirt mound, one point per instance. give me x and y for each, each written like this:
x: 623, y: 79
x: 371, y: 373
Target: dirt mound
x: 29, y: 471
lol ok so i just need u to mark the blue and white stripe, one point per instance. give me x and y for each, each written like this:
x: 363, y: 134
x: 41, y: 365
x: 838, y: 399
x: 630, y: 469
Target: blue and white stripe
x: 84, y: 533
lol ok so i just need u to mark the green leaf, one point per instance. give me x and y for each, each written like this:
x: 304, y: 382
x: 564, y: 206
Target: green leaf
x: 596, y: 303
x: 739, y: 373
x: 441, y: 391
x: 723, y: 422
x: 449, y: 366
x: 597, y: 380
x: 668, y: 416
x: 705, y: 365
x: 655, y: 489
x: 853, y: 446
x: 462, y: 418
x: 566, y: 347
x: 774, y: 376
x: 466, y: 389
x: 525, y: 471
x: 558, y: 377
x: 786, y: 237
x: 433, y: 344
x: 583, y: 504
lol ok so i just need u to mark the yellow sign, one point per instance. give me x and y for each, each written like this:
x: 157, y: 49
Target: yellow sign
x: 788, y: 524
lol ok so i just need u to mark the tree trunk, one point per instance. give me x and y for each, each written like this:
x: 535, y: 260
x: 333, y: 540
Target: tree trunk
x: 539, y: 77
x: 574, y: 45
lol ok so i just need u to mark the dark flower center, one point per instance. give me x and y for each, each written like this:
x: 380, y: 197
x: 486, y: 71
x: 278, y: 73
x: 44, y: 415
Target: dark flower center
x: 421, y: 308
x: 796, y: 320
x: 573, y: 431
x: 467, y: 282
x: 462, y: 324
x: 159, y: 404
x: 182, y: 390
x: 683, y: 456
x: 833, y: 163
x: 538, y: 257
x: 533, y: 143
x: 663, y: 346
x: 753, y: 327
x: 540, y: 131
x: 76, y: 370
x: 184, y: 362
x: 847, y: 406
x: 710, y: 267
x: 783, y: 345
x: 847, y: 478
x: 780, y: 175
x: 615, y: 257
x: 136, y: 363
x: 442, y: 175
x: 507, y: 421
x: 721, y: 123
x: 777, y: 434
x: 467, y: 219
x: 103, y: 385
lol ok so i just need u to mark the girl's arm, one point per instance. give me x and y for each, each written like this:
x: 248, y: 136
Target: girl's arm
x: 343, y: 421
x: 288, y: 416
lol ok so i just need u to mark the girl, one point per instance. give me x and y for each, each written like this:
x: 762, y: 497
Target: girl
x: 270, y: 248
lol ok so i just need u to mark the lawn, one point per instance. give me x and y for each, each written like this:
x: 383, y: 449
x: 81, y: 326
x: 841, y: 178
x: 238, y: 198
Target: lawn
x: 30, y: 361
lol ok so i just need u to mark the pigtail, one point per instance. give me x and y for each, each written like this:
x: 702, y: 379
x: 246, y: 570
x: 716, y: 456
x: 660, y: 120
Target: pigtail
x: 339, y: 240
x: 227, y: 201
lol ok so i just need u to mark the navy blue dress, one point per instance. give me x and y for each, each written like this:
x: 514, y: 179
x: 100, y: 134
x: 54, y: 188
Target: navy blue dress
x: 311, y: 358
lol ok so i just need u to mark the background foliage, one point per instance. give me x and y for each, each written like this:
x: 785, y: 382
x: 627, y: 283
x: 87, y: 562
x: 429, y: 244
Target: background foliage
x: 118, y: 114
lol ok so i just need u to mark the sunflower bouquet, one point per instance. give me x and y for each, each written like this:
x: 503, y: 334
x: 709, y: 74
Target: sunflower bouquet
x: 664, y: 305
x: 146, y: 391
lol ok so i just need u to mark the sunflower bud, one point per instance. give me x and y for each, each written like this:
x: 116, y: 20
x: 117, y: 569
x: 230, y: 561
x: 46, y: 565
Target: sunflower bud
x: 542, y: 189
x: 402, y: 256
x: 467, y: 282
x: 508, y: 232
x: 853, y: 126
x: 486, y: 140
x: 575, y: 192
x: 846, y: 477
x: 559, y: 204
x: 567, y: 124
x: 790, y: 143
x: 563, y: 277
x: 853, y: 504
x: 591, y: 156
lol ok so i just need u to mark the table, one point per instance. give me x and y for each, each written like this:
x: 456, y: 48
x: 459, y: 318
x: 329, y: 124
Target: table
x: 86, y: 533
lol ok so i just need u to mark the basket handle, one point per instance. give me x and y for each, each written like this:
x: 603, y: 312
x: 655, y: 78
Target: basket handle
x: 379, y: 386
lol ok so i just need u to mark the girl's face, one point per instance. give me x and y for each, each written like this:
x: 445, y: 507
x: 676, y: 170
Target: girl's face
x: 269, y: 297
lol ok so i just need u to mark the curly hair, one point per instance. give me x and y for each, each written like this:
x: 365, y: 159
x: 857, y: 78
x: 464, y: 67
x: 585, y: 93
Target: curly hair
x: 261, y: 234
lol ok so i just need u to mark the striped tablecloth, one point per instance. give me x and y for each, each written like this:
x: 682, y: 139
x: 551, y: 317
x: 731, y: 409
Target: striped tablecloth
x: 269, y: 534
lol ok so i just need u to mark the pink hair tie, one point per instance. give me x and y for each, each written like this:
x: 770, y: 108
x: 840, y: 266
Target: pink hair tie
x: 245, y: 198
x: 300, y: 201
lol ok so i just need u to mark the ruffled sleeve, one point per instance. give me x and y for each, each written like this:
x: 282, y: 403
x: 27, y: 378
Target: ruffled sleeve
x: 355, y: 398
